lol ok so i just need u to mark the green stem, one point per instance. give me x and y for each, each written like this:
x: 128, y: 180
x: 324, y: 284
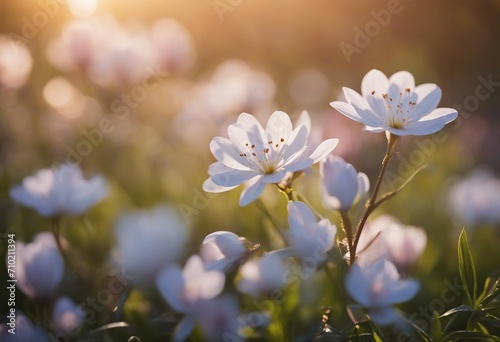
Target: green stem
x: 55, y: 223
x: 371, y: 204
x: 347, y: 227
x: 263, y: 209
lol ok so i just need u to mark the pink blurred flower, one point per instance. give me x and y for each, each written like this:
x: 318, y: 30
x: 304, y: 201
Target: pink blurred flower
x: 172, y: 45
x: 395, y: 105
x: 387, y: 238
x: 377, y: 287
x: 79, y: 43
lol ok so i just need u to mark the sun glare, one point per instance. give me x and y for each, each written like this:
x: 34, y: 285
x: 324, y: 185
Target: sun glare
x: 82, y: 8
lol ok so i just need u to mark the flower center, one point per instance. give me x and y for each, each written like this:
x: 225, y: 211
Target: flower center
x: 398, y: 111
x: 265, y: 158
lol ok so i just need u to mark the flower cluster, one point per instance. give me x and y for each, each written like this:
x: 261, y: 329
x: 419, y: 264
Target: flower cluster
x: 366, y: 261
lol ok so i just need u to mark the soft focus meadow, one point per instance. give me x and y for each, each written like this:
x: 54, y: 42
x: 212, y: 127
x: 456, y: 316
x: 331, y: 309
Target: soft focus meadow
x: 236, y: 170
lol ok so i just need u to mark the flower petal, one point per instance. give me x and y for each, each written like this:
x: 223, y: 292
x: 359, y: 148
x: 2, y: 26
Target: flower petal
x: 210, y: 186
x: 232, y: 177
x: 170, y: 283
x: 300, y: 217
x: 369, y: 118
x: 226, y: 153
x: 296, y: 141
x: 383, y: 316
x: 347, y: 110
x: 402, y: 79
x: 278, y: 126
x: 274, y: 177
x: 184, y: 329
x: 251, y: 124
x: 429, y: 124
x: 428, y: 97
x: 374, y: 81
x: 373, y: 86
x: 304, y: 119
x: 358, y: 285
x: 323, y: 150
x: 252, y: 192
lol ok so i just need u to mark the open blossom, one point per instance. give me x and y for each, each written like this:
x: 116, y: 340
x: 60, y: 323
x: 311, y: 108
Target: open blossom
x: 260, y: 156
x: 187, y: 291
x: 58, y: 191
x: 395, y: 105
x: 221, y: 250
x: 148, y: 240
x: 39, y: 266
x: 341, y: 185
x: 386, y: 238
x: 309, y: 238
x: 260, y: 276
x: 377, y: 287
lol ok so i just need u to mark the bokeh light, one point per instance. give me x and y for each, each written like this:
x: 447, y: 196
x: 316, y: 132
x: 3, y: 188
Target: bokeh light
x: 82, y: 8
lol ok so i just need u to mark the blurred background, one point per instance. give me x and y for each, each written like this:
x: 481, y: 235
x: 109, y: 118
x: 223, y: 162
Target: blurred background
x: 135, y: 90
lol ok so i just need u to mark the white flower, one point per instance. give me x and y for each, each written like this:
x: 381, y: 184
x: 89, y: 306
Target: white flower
x: 261, y: 156
x: 377, y: 287
x: 39, y: 266
x: 262, y: 275
x: 148, y: 240
x: 188, y: 289
x: 341, y: 185
x: 309, y: 238
x: 402, y: 245
x: 15, y: 63
x: 67, y: 317
x: 54, y: 192
x: 25, y: 330
x: 219, y: 319
x: 475, y: 199
x: 220, y: 250
x: 396, y: 105
x: 184, y: 289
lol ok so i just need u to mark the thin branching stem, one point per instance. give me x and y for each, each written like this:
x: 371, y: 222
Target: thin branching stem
x: 56, y: 230
x: 347, y: 227
x: 265, y: 211
x: 372, y: 204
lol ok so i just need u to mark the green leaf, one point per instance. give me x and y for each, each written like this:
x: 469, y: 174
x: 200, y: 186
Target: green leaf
x: 492, y: 294
x: 437, y: 330
x: 469, y: 336
x: 467, y: 269
x: 461, y: 308
x: 377, y: 333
